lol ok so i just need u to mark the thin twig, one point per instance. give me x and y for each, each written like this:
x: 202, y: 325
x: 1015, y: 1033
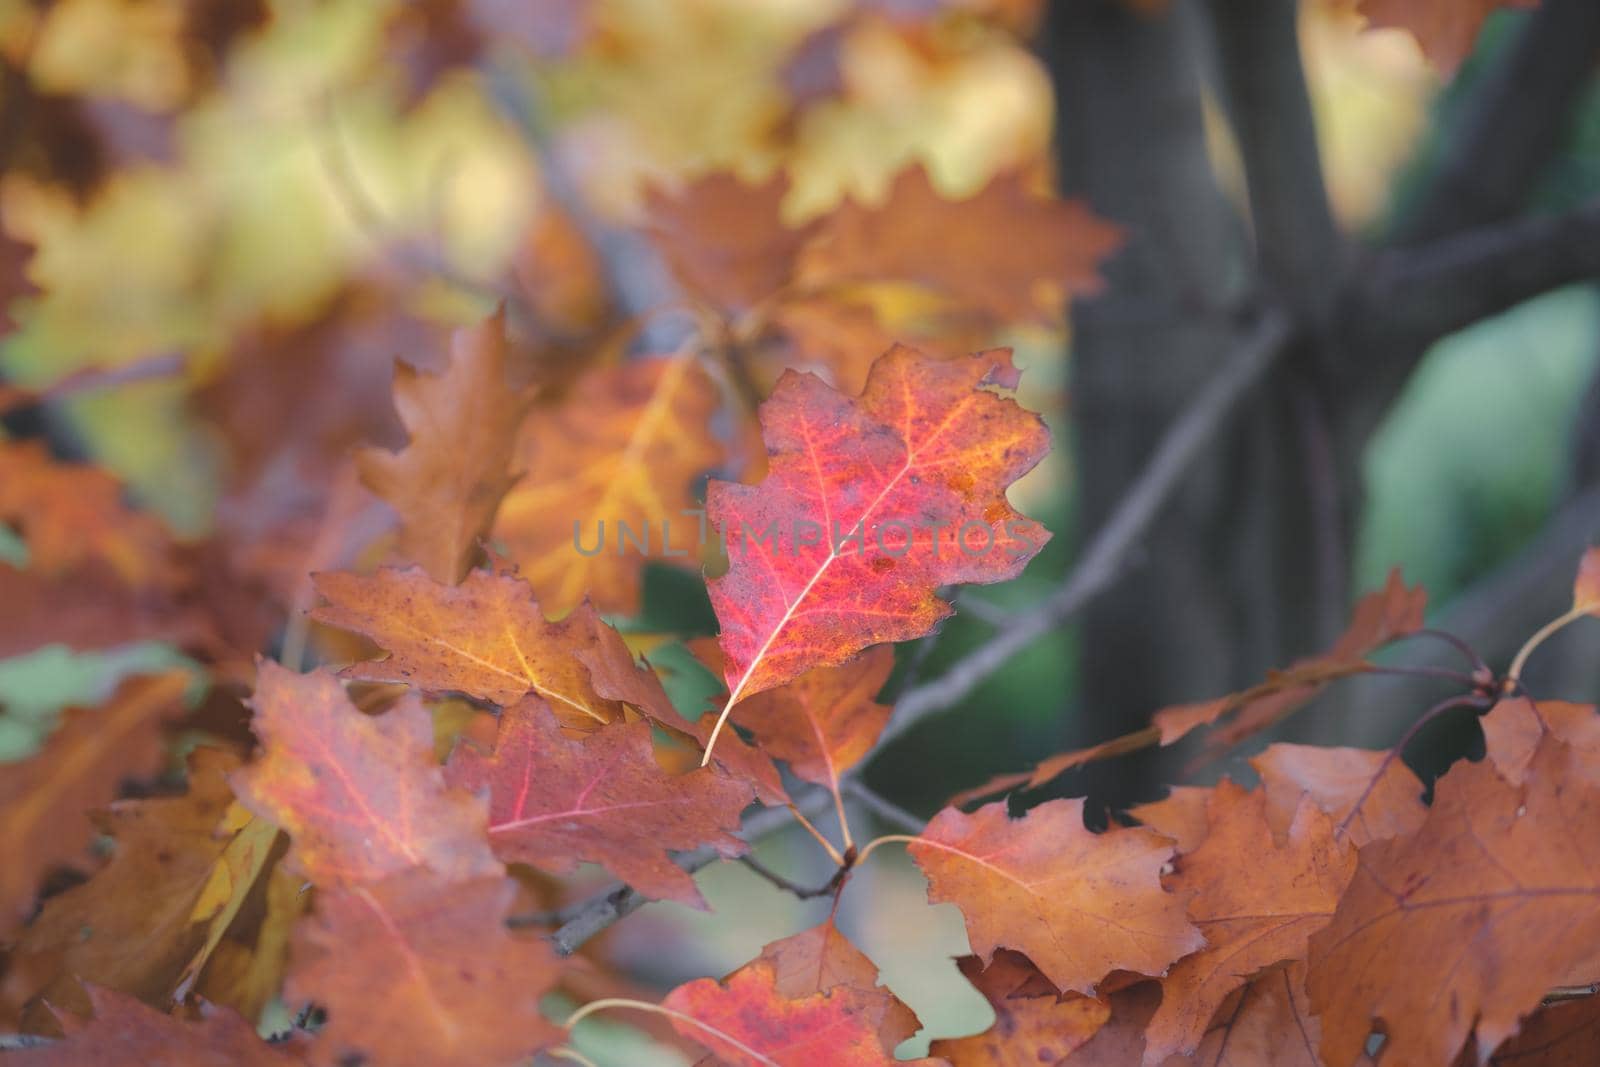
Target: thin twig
x: 1102, y: 561
x: 604, y: 909
x: 800, y: 892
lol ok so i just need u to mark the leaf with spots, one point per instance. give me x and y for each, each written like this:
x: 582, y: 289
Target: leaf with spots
x: 361, y: 796
x: 556, y: 801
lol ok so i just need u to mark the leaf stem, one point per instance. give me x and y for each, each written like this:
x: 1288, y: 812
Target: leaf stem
x: 661, y: 1009
x: 827, y: 846
x: 886, y: 839
x: 1546, y: 631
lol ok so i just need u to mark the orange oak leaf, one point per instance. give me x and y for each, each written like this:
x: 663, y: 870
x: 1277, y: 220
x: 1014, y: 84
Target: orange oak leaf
x: 361, y: 796
x: 125, y: 1031
x: 869, y: 505
x: 1446, y: 29
x: 822, y: 723
x: 45, y: 800
x: 1369, y: 795
x: 1460, y: 930
x: 70, y: 515
x: 1586, y: 587
x: 746, y: 1022
x: 556, y: 801
x: 1079, y: 904
x: 1031, y: 1027
x: 447, y: 483
x: 485, y: 637
x: 141, y: 921
x: 608, y: 483
x: 822, y: 959
x: 1268, y: 1023
x: 418, y: 970
x: 1256, y: 902
x: 725, y: 239
x: 616, y: 676
x: 1560, y: 1035
x: 1181, y: 815
x: 1004, y: 251
x: 1514, y: 727
x: 1379, y: 618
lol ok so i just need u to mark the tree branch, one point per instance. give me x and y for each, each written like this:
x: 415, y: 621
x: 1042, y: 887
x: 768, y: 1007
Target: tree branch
x: 1106, y: 554
x: 1417, y: 295
x: 1258, y: 54
x: 1513, y: 124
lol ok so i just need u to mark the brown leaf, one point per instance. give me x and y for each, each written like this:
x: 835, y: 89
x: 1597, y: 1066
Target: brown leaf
x: 72, y: 515
x: 361, y: 796
x: 1560, y: 1035
x: 999, y: 251
x: 1080, y: 905
x: 136, y: 924
x: 485, y: 637
x: 419, y: 970
x: 1255, y: 901
x: 1369, y: 795
x: 1461, y: 929
x: 1514, y: 727
x: 725, y: 240
x: 555, y: 801
x: 1266, y: 1024
x: 1181, y: 815
x: 1029, y: 1028
x: 1379, y: 618
x: 448, y: 482
x: 45, y: 800
x: 824, y: 722
x: 125, y: 1031
x: 610, y: 475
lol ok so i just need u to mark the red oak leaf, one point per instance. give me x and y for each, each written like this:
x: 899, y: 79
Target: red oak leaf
x: 418, y: 970
x: 869, y: 505
x: 821, y: 959
x: 1079, y: 904
x: 746, y: 1022
x: 556, y: 801
x: 361, y: 796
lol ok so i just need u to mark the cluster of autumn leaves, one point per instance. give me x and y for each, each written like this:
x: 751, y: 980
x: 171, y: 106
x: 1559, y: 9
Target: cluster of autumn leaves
x: 382, y: 848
